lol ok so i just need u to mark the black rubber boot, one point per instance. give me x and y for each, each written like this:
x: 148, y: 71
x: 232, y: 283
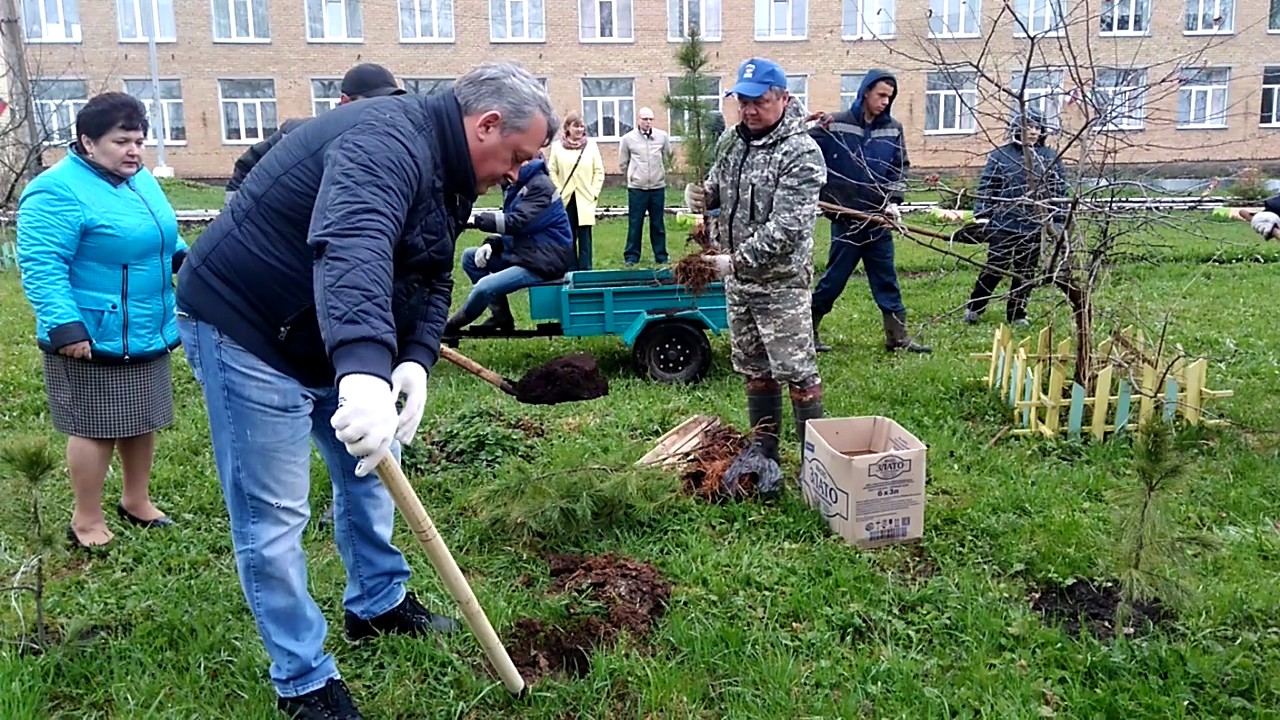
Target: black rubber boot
x: 804, y: 410
x: 764, y: 412
x: 895, y: 334
x: 818, y: 345
x: 500, y: 317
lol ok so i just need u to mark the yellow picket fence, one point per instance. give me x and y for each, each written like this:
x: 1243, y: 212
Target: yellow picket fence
x: 1038, y: 385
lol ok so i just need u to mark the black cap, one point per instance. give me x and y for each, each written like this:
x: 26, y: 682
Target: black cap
x: 369, y: 80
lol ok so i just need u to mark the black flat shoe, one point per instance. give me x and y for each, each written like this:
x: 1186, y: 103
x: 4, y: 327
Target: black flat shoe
x: 129, y: 517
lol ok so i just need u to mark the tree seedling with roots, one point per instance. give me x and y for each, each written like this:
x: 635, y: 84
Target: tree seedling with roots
x: 30, y: 463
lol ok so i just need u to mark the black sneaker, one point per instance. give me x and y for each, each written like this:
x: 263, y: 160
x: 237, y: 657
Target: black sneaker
x: 407, y: 618
x: 331, y: 702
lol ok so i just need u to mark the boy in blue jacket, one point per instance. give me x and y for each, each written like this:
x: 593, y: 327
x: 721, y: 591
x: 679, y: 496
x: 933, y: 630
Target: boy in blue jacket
x: 531, y: 242
x: 866, y: 156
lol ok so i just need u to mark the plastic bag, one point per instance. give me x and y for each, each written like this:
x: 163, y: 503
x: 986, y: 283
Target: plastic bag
x: 753, y: 472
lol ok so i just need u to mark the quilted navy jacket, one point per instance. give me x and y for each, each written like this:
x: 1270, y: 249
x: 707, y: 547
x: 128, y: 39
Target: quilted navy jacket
x: 335, y: 255
x: 533, y: 227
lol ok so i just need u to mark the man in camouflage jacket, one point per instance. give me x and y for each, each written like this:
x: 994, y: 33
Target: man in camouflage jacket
x: 765, y: 181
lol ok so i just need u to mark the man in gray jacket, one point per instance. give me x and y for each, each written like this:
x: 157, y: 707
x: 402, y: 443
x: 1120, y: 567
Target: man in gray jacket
x: 642, y: 155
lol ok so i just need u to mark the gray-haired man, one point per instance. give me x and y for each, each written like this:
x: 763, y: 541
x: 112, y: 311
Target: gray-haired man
x: 307, y: 309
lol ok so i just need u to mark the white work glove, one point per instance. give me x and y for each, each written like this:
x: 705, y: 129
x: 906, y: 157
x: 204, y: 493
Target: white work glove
x: 483, y: 253
x: 723, y: 263
x: 892, y: 212
x: 1264, y: 223
x: 366, y: 419
x: 695, y: 197
x: 409, y: 378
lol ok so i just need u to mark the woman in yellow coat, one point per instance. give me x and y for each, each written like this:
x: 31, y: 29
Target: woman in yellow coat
x: 578, y: 172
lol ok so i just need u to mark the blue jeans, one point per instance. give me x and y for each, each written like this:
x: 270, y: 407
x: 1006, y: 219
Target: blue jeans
x: 872, y: 246
x: 495, y: 280
x: 262, y: 423
x: 640, y: 202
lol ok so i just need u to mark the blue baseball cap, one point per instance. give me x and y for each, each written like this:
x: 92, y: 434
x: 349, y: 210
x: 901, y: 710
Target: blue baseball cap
x: 757, y: 76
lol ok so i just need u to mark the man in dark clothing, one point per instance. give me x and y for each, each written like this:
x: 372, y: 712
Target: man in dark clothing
x: 1019, y: 180
x: 866, y: 156
x: 307, y: 308
x: 362, y: 81
x: 532, y: 243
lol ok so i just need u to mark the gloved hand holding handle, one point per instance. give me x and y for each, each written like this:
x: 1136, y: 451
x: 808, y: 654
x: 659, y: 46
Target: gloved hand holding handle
x: 366, y: 420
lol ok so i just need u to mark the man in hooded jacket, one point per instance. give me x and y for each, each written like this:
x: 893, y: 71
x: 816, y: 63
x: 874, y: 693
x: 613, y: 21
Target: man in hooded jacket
x: 866, y: 157
x: 765, y: 182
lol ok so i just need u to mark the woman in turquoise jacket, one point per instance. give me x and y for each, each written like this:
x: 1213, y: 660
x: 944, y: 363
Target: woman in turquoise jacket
x: 98, y: 246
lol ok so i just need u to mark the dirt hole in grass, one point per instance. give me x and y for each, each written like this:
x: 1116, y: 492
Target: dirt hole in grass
x: 1083, y: 605
x: 632, y: 594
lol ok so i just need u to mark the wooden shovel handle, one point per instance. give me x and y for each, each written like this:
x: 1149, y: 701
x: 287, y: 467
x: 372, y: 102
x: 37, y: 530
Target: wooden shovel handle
x: 477, y: 369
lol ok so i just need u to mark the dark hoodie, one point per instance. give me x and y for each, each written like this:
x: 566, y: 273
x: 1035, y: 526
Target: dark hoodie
x: 866, y: 162
x: 1011, y: 192
x: 532, y: 230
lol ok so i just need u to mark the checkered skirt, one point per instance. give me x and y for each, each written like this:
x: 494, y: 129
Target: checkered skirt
x: 106, y: 402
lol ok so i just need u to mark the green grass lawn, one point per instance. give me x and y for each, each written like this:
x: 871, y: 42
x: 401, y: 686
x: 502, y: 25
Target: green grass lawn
x: 770, y: 615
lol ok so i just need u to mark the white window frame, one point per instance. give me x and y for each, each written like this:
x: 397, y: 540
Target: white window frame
x: 140, y: 21
x: 847, y: 99
x: 798, y: 87
x: 1270, y: 88
x: 166, y: 110
x: 241, y: 103
x: 767, y: 31
x: 966, y: 103
x: 615, y: 100
x: 1273, y: 17
x: 710, y: 20
x: 1133, y: 95
x: 347, y: 38
x: 1135, y: 10
x: 332, y: 102
x: 1207, y: 90
x: 53, y: 107
x: 39, y: 7
x: 970, y: 14
x: 1047, y: 13
x: 1043, y: 92
x: 533, y: 18
x: 717, y: 98
x: 865, y: 17
x: 443, y: 19
x: 236, y: 37
x: 618, y: 15
x: 1227, y: 28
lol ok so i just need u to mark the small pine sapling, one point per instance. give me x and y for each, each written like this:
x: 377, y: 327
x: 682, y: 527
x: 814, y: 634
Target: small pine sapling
x: 31, y: 463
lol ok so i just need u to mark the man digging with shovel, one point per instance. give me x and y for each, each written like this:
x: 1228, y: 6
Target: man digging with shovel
x: 765, y: 183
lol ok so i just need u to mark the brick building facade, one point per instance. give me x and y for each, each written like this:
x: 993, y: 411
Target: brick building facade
x: 1177, y: 80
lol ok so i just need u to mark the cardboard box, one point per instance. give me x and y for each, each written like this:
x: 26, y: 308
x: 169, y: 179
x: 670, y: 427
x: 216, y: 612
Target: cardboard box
x: 866, y: 476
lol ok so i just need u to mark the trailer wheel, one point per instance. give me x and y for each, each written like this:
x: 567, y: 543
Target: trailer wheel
x: 673, y: 351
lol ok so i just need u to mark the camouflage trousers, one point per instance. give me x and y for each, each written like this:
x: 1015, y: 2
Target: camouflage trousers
x: 772, y: 335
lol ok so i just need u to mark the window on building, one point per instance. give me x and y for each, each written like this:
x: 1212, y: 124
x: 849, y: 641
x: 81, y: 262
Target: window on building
x: 170, y: 117
x: 867, y: 19
x: 517, y: 20
x: 1126, y: 17
x: 609, y: 107
x: 1209, y: 17
x: 51, y: 21
x: 248, y: 110
x: 1038, y: 17
x: 1042, y: 93
x: 709, y: 96
x: 605, y: 20
x: 1202, y: 98
x: 798, y: 87
x: 241, y: 21
x: 138, y: 18
x: 427, y: 87
x: 954, y: 18
x: 426, y: 20
x: 782, y: 19
x: 849, y: 85
x: 682, y: 15
x: 326, y: 94
x: 334, y: 21
x: 56, y: 104
x: 949, y: 101
x: 1119, y: 98
x: 1270, y: 97
x: 1273, y: 18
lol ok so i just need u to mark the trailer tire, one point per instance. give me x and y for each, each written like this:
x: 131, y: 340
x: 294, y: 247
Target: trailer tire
x: 673, y: 351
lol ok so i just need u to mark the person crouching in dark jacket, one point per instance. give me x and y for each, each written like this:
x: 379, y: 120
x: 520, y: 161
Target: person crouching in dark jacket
x: 532, y: 242
x: 1011, y: 202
